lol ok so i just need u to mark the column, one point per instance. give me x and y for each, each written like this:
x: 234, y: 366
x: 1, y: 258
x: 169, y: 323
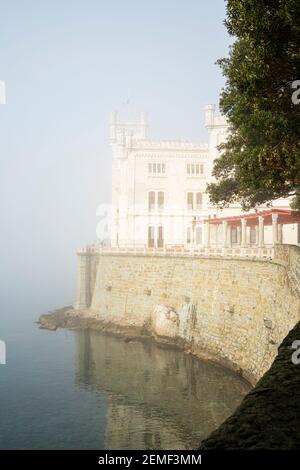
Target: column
x: 256, y: 235
x: 216, y: 235
x: 238, y: 235
x: 275, y: 228
x: 225, y: 226
x: 280, y: 233
x: 261, y: 232
x: 248, y: 235
x: 229, y: 235
x: 207, y: 234
x: 243, y: 228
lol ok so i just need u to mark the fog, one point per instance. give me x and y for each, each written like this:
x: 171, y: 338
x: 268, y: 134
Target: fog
x: 66, y: 65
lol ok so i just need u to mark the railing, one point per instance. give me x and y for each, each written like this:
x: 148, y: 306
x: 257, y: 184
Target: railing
x: 241, y: 252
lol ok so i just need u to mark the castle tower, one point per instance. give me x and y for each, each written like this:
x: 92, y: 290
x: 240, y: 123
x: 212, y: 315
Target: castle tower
x: 217, y: 127
x: 119, y: 129
x: 124, y: 136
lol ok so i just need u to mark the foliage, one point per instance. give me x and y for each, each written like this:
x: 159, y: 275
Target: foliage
x: 261, y: 159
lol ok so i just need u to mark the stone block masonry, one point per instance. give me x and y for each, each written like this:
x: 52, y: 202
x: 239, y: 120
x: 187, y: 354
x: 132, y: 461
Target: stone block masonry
x: 86, y: 275
x: 289, y: 257
x: 230, y: 310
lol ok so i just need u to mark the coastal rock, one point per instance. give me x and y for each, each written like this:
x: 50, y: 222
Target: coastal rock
x: 165, y: 321
x: 268, y: 417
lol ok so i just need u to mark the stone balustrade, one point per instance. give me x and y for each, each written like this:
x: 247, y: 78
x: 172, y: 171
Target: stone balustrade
x: 242, y: 252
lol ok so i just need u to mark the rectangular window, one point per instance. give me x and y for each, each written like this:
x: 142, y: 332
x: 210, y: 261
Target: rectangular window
x: 151, y: 237
x: 195, y: 169
x: 234, y: 239
x: 160, y: 199
x: 151, y: 201
x: 156, y: 168
x: 189, y: 235
x: 190, y: 201
x: 160, y: 238
x: 199, y: 201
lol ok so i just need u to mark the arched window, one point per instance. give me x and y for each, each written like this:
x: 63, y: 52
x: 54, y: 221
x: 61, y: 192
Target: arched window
x: 190, y: 201
x: 189, y: 235
x: 160, y: 237
x: 151, y: 239
x: 199, y: 201
x: 160, y: 199
x: 151, y: 201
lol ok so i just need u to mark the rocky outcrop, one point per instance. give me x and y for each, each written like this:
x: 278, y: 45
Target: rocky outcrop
x: 75, y: 319
x: 60, y: 318
x: 165, y: 325
x: 167, y: 322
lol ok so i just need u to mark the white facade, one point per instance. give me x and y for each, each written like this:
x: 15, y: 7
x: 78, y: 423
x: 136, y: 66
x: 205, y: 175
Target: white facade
x: 158, y: 187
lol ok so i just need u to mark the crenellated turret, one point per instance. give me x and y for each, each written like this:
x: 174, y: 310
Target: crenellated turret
x: 123, y: 132
x: 209, y: 115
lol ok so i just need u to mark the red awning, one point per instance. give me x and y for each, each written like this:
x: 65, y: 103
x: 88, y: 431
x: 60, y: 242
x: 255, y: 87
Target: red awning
x: 285, y: 216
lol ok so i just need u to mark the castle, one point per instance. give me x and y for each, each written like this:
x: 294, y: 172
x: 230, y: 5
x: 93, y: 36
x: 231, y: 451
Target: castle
x: 159, y: 195
x: 222, y: 284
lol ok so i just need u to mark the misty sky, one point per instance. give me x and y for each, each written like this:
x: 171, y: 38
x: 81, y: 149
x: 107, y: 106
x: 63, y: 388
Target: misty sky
x: 66, y: 65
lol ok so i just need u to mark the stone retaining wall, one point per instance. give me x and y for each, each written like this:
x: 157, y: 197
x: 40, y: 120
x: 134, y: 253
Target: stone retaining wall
x: 234, y: 311
x: 289, y: 257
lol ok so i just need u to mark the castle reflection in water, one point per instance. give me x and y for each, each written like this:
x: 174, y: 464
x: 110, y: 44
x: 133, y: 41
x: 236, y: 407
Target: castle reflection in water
x: 157, y: 398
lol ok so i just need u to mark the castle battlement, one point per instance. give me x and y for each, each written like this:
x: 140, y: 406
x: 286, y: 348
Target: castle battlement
x: 169, y: 145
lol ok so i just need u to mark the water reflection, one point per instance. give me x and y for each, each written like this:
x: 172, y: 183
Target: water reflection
x: 157, y: 398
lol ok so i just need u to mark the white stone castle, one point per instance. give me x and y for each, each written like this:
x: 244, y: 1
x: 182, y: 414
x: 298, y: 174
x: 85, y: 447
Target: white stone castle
x: 159, y: 195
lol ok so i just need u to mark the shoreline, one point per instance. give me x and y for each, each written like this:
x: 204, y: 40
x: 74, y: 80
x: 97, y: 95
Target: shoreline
x: 69, y: 318
x: 266, y: 417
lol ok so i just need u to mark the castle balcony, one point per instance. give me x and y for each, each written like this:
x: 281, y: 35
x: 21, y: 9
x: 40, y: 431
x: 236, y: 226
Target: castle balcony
x: 235, y: 236
x: 181, y: 250
x: 246, y: 232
